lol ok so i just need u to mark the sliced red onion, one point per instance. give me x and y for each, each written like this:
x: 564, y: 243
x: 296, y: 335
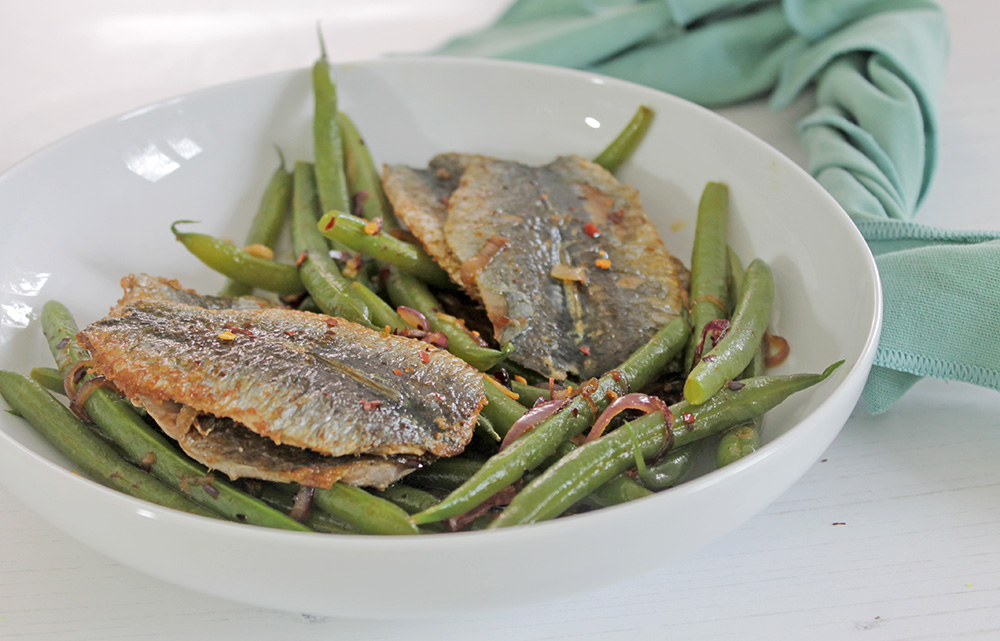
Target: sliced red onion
x: 437, y: 339
x: 302, y: 504
x: 414, y: 318
x: 776, y: 350
x: 717, y: 328
x: 73, y: 377
x: 531, y: 418
x: 503, y: 497
x: 634, y: 401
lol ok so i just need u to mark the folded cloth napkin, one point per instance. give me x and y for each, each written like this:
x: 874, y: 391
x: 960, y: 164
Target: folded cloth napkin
x: 877, y: 68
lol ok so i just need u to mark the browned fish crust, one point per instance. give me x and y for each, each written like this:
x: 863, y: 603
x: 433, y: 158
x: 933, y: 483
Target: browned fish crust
x: 325, y: 386
x: 419, y: 197
x: 564, y: 258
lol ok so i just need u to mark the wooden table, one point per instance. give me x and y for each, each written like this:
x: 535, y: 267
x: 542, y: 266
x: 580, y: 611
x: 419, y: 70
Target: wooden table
x: 895, y: 533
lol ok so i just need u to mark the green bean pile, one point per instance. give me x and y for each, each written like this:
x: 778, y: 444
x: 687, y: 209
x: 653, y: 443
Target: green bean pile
x: 349, y: 263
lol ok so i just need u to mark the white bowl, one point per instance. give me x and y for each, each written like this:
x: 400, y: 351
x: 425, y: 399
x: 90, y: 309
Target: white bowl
x: 98, y: 205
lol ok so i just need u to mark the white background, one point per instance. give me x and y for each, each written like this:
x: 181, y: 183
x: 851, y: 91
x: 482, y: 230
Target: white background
x: 895, y: 534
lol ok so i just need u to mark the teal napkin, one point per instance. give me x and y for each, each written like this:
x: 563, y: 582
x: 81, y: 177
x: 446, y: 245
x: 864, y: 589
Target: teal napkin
x: 877, y: 68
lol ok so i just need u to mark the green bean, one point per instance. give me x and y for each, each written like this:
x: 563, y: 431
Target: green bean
x: 267, y: 224
x: 84, y: 448
x: 671, y: 468
x: 486, y: 429
x: 238, y: 264
x: 737, y: 443
x: 122, y: 424
x: 736, y: 349
x: 535, y: 446
x: 501, y: 409
x: 364, y: 511
x: 411, y: 499
x: 444, y: 474
x: 369, y: 239
x: 621, y: 148
x: 528, y: 395
x: 363, y: 177
x: 318, y: 520
x: 382, y: 314
x: 331, y: 180
x: 320, y: 274
x: 709, y: 281
x: 589, y: 466
x: 405, y: 290
x: 620, y: 489
x: 49, y: 378
x: 505, y: 411
x: 743, y: 439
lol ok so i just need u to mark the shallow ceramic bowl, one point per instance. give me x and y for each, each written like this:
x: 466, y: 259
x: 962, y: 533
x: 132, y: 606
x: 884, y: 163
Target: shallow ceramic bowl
x: 98, y: 205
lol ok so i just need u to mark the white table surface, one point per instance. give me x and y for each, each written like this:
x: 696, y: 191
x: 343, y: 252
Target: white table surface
x: 894, y: 534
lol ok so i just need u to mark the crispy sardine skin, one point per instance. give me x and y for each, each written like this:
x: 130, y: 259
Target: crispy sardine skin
x: 419, y: 198
x: 301, y: 379
x: 582, y: 278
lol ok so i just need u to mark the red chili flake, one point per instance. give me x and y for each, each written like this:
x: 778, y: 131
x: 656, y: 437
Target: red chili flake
x: 735, y: 385
x: 592, y: 230
x: 290, y: 332
x: 575, y: 412
x: 617, y: 216
x: 585, y: 349
x: 330, y: 332
x: 615, y: 374
x: 397, y: 371
x: 425, y: 357
x: 687, y: 417
x: 371, y: 405
x: 331, y: 321
x: 301, y: 259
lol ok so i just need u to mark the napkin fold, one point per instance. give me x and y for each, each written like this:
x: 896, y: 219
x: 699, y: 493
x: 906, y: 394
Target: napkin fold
x: 877, y: 67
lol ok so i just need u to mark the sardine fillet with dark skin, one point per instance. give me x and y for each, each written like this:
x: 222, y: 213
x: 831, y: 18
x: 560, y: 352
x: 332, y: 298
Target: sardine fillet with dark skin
x: 420, y: 197
x: 281, y: 394
x: 563, y: 256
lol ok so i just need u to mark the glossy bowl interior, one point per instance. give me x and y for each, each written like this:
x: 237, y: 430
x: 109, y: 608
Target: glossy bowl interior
x: 82, y: 213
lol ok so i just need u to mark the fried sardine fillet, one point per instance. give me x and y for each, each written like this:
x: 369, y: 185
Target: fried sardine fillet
x: 260, y: 391
x: 563, y: 256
